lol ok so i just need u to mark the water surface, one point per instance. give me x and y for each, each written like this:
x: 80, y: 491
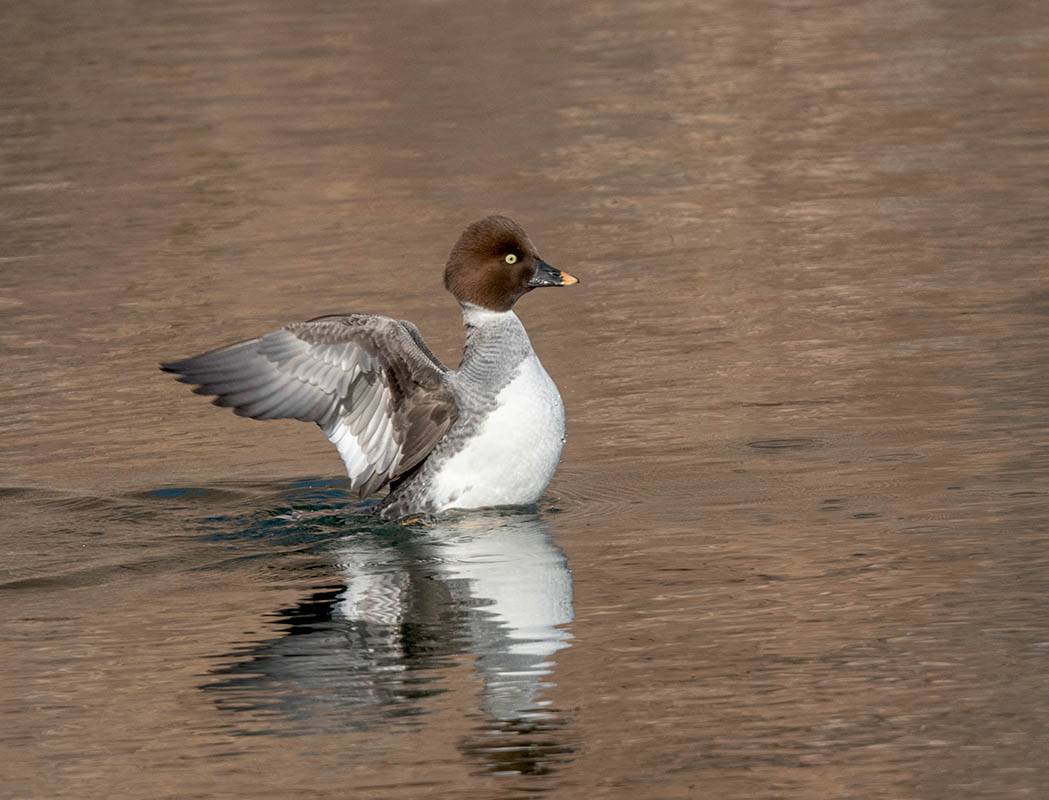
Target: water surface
x: 797, y: 545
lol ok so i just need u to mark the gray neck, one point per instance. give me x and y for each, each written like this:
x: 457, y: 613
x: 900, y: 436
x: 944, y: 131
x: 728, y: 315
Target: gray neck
x: 496, y: 344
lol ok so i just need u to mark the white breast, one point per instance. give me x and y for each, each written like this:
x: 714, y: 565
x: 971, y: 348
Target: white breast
x: 513, y: 456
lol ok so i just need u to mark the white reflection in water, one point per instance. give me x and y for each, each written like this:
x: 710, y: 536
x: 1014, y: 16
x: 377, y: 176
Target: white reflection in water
x: 491, y: 590
x: 505, y: 573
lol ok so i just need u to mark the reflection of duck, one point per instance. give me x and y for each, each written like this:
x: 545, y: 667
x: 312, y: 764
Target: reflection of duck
x: 511, y: 581
x: 491, y: 586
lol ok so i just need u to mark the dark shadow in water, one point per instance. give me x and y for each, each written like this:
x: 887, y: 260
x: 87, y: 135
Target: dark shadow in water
x: 401, y: 608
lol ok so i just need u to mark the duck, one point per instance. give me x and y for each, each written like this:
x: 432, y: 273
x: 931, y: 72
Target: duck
x: 487, y: 434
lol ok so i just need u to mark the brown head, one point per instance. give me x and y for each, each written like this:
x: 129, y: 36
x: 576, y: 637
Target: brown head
x: 494, y: 263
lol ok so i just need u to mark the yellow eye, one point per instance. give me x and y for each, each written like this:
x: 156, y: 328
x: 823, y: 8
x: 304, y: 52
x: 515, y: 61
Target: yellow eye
x: 510, y: 258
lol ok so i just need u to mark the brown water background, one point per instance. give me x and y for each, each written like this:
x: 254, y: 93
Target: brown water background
x: 805, y: 497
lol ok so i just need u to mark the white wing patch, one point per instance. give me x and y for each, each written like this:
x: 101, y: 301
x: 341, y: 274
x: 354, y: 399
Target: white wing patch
x: 369, y: 448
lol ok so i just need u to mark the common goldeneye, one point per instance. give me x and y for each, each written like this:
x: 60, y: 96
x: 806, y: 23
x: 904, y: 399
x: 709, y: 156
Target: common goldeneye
x: 487, y: 434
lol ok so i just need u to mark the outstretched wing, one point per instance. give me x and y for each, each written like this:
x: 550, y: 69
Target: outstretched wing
x: 369, y: 382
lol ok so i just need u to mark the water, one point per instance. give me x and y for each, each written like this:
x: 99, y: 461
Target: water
x: 797, y: 545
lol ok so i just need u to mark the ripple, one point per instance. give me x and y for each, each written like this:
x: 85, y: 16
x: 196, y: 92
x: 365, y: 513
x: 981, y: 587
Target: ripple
x: 797, y: 443
x: 924, y: 529
x: 589, y: 495
x: 897, y: 457
x: 787, y: 403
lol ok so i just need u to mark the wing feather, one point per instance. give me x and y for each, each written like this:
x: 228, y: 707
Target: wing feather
x: 369, y: 382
